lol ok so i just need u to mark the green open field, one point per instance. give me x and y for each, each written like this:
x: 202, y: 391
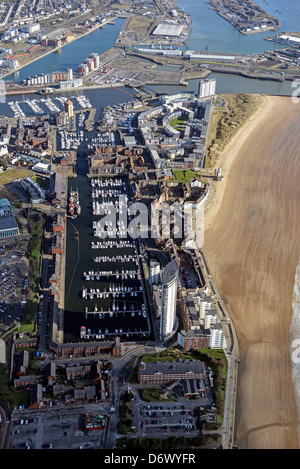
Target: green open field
x: 8, y: 394
x: 14, y: 173
x: 139, y: 24
x: 184, y: 176
x: 154, y: 395
x: 43, y: 182
x: 178, y: 123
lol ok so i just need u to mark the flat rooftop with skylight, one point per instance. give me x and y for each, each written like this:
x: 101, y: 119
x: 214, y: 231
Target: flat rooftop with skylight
x: 164, y: 29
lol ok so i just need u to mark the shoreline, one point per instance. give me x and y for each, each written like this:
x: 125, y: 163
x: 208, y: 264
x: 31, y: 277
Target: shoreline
x: 295, y: 334
x: 249, y: 33
x: 228, y: 155
x: 219, y: 10
x: 257, y: 289
x: 111, y: 21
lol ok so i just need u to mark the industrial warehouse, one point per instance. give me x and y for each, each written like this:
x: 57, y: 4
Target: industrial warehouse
x: 164, y: 29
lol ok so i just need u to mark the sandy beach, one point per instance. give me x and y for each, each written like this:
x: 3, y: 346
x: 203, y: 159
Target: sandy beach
x: 252, y: 244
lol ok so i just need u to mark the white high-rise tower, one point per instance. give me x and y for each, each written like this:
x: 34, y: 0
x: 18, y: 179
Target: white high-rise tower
x: 207, y: 88
x: 169, y: 297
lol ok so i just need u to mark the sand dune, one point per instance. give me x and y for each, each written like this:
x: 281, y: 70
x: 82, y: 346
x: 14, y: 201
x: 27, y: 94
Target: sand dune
x: 252, y: 242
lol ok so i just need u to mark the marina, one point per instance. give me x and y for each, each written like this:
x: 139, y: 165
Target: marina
x: 101, y: 289
x: 74, y: 208
x: 34, y: 106
x: 114, y: 293
x: 112, y: 201
x: 70, y: 140
x: 42, y: 106
x: 115, y: 311
x: 111, y: 243
x: 102, y: 138
x: 116, y: 259
x: 99, y: 292
x: 216, y: 35
x: 124, y: 274
x: 16, y: 109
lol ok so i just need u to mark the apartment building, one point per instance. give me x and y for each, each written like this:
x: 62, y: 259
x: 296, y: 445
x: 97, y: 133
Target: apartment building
x: 166, y: 372
x: 169, y: 297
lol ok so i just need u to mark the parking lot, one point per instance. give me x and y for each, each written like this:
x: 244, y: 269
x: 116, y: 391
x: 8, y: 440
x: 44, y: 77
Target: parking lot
x: 54, y: 432
x: 166, y: 419
x: 12, y: 292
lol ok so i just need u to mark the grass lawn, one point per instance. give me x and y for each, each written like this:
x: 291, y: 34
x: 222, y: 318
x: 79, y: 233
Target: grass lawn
x: 14, y: 173
x: 152, y: 395
x: 139, y: 24
x: 26, y: 328
x: 11, y: 398
x: 43, y: 182
x: 184, y: 176
x: 216, y: 355
x: 178, y: 123
x: 157, y: 358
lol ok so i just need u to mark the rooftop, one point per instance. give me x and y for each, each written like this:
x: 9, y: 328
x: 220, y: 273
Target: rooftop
x: 178, y: 366
x: 168, y: 30
x: 170, y: 272
x: 7, y: 220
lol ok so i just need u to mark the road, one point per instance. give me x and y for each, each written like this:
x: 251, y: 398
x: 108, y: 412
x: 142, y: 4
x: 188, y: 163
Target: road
x: 119, y: 378
x: 232, y: 355
x: 163, y: 256
x: 116, y: 381
x: 115, y: 389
